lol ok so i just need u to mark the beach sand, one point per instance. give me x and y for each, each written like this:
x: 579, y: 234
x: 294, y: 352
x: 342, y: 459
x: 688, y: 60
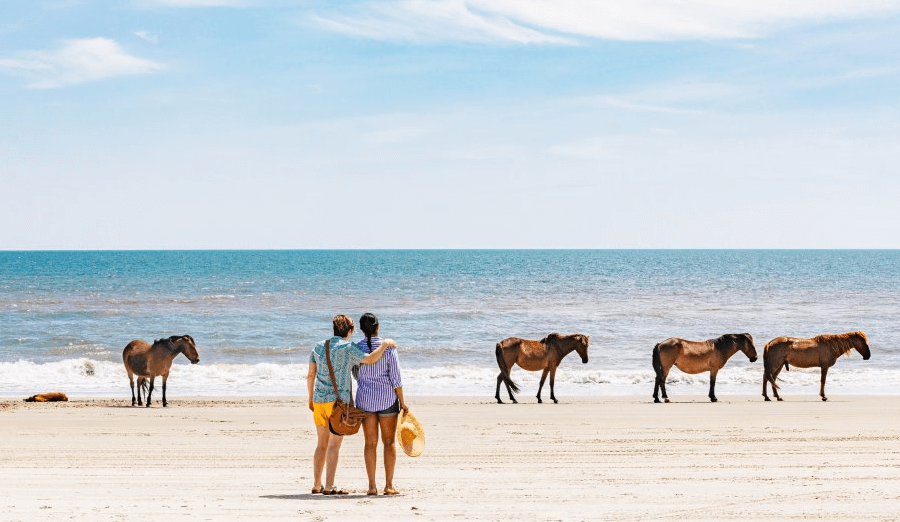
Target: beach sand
x: 617, y: 458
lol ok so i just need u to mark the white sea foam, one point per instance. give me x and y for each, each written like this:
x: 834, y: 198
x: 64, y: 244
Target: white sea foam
x: 91, y: 378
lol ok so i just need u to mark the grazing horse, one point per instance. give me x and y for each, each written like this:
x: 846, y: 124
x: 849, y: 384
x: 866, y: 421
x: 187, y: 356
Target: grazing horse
x: 147, y: 361
x: 698, y: 357
x: 822, y: 351
x: 545, y: 354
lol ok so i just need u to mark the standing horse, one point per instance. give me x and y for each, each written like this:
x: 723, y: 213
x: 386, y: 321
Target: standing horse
x: 822, y: 351
x: 698, y: 357
x: 545, y: 354
x: 147, y: 361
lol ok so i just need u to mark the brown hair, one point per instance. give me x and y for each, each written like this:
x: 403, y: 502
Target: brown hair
x: 343, y: 325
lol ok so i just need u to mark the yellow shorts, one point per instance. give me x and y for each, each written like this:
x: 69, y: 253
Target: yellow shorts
x: 322, y: 412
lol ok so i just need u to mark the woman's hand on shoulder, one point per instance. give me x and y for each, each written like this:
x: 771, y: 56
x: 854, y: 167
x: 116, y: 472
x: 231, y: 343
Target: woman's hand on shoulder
x: 388, y: 343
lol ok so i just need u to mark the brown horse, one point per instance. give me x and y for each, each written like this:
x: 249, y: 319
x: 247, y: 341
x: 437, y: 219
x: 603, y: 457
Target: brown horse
x: 698, y: 357
x: 822, y: 351
x: 147, y: 361
x: 545, y: 354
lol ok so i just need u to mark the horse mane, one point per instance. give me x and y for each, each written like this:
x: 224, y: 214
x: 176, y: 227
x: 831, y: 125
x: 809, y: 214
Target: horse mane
x: 551, y: 338
x: 169, y: 341
x: 840, y: 344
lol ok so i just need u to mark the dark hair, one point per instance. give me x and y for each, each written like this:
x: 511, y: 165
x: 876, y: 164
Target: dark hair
x: 343, y: 325
x: 368, y: 323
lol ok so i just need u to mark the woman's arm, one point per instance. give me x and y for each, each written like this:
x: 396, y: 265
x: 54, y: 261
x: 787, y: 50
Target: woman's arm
x: 310, y: 382
x: 373, y: 357
x: 402, y: 402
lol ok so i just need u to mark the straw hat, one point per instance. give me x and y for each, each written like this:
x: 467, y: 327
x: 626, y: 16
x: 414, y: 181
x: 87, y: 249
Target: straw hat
x: 410, y: 435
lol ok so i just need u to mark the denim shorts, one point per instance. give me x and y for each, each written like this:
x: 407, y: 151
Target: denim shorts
x: 390, y: 411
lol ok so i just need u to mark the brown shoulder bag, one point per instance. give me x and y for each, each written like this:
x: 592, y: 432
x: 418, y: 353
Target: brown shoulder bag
x: 345, y: 418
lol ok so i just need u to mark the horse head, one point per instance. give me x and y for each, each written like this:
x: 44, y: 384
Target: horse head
x: 188, y: 348
x: 581, y: 346
x: 747, y: 347
x: 861, y: 343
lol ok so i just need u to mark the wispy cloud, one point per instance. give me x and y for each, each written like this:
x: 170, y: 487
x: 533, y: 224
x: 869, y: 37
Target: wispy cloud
x: 568, y: 21
x: 147, y: 37
x: 76, y: 61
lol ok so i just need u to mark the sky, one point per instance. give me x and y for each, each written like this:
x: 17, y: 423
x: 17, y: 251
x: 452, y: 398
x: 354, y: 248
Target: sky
x: 291, y: 124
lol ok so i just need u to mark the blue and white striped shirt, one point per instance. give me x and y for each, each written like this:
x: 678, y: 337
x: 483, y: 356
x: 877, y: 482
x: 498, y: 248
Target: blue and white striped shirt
x: 376, y: 382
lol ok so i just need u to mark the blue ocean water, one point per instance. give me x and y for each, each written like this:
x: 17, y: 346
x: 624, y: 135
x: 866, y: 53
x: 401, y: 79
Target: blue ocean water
x: 66, y: 316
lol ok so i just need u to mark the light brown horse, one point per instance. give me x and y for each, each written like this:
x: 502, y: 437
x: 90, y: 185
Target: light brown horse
x: 147, y: 361
x: 822, y: 351
x: 698, y: 357
x: 545, y: 354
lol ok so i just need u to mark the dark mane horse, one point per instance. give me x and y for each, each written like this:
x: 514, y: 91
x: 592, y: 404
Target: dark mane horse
x: 147, y: 361
x: 545, y: 355
x: 698, y: 357
x: 822, y: 351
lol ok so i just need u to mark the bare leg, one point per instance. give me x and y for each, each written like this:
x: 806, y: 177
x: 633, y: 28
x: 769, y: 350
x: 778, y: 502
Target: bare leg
x: 370, y: 431
x: 541, y: 385
x: 331, y: 459
x: 822, y: 389
x: 388, y: 436
x: 552, y: 380
x: 322, y: 435
x: 712, y: 385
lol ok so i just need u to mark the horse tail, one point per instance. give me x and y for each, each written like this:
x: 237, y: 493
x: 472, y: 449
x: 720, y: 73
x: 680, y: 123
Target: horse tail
x: 657, y: 363
x: 767, y: 372
x: 144, y: 383
x: 786, y: 367
x: 504, y: 370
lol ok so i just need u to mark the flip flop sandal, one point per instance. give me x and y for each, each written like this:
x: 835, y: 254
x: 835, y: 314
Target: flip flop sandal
x: 318, y: 491
x: 336, y: 492
x: 390, y: 492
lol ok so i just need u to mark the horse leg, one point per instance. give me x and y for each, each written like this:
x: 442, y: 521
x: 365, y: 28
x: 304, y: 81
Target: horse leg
x: 165, y: 378
x: 662, y: 384
x: 552, y: 380
x: 822, y: 388
x: 131, y: 382
x: 775, y: 373
x: 541, y: 385
x: 712, y: 385
x: 497, y: 395
x: 150, y: 390
x: 140, y: 389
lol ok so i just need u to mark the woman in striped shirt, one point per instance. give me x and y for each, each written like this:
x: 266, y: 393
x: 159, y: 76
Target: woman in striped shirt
x: 380, y: 394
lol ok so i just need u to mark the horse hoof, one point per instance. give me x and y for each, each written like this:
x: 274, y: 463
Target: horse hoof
x: 555, y: 401
x: 515, y: 401
x: 767, y: 399
x: 540, y: 401
x: 667, y: 401
x: 713, y: 399
x: 824, y: 399
x: 780, y: 399
x: 655, y: 400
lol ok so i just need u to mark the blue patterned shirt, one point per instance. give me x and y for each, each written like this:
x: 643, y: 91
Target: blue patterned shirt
x: 344, y: 355
x: 376, y: 382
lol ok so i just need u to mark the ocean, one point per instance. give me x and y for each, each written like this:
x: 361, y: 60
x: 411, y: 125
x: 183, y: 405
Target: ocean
x: 255, y: 315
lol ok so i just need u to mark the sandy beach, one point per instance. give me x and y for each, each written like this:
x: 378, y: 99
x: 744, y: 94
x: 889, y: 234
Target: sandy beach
x: 620, y: 458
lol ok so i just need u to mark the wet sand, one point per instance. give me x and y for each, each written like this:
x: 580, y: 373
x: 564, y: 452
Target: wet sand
x: 617, y: 458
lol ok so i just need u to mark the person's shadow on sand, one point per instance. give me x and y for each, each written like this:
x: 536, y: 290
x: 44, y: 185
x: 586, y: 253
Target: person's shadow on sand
x: 319, y: 496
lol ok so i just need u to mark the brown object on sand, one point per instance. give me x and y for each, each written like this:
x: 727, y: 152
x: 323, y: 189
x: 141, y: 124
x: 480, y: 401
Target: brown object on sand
x: 48, y: 397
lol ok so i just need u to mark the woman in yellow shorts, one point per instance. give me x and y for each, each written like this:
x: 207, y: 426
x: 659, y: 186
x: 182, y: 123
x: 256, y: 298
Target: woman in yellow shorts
x: 344, y: 355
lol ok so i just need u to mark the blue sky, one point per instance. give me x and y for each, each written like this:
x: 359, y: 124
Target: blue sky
x: 164, y: 124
